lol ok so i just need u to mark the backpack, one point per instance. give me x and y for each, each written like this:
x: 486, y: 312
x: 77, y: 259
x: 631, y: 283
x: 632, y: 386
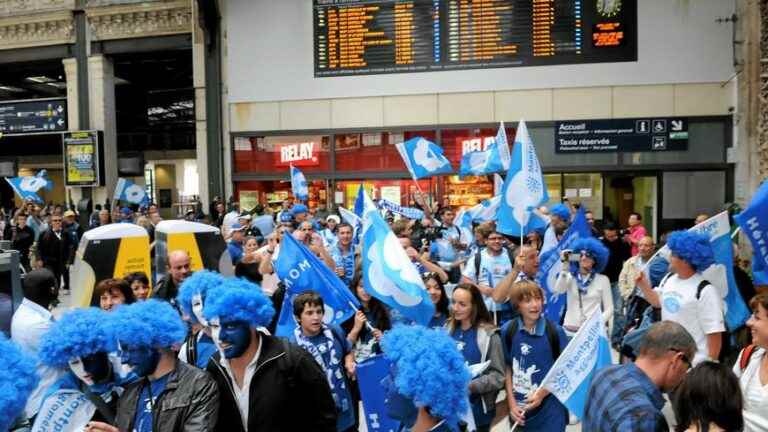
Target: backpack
x: 479, y: 257
x: 550, y: 330
x: 746, y: 355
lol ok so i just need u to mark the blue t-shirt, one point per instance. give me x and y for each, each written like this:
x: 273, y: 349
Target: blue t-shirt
x: 235, y: 251
x: 492, y: 270
x: 347, y: 262
x: 442, y: 249
x: 437, y: 321
x: 142, y: 420
x: 206, y: 348
x: 530, y: 358
x: 466, y: 341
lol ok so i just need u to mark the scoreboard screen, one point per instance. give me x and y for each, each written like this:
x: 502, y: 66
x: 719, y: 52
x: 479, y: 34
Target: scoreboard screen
x: 361, y: 37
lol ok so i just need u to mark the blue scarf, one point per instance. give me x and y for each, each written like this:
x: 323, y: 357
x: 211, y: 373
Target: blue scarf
x: 334, y: 372
x: 583, y: 283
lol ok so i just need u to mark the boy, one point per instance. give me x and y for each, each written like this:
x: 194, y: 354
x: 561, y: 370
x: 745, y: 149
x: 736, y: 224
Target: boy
x: 329, y: 346
x: 531, y: 345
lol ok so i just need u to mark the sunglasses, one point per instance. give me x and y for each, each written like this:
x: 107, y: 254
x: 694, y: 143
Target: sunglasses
x: 683, y: 356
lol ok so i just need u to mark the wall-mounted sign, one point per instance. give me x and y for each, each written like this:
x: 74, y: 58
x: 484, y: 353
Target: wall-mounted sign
x: 83, y: 161
x: 33, y: 116
x: 298, y: 154
x: 622, y: 135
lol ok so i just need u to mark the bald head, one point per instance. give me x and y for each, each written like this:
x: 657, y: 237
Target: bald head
x: 179, y: 266
x: 646, y: 247
x: 530, y: 257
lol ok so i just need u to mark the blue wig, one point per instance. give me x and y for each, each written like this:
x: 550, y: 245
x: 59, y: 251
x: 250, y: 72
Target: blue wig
x: 17, y: 380
x: 79, y: 333
x: 596, y: 249
x: 198, y: 283
x: 693, y: 248
x: 562, y: 211
x: 239, y: 300
x: 430, y: 369
x: 151, y: 323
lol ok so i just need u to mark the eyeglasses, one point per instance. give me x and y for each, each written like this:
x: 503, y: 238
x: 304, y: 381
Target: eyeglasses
x: 55, y: 220
x: 495, y: 238
x: 683, y: 356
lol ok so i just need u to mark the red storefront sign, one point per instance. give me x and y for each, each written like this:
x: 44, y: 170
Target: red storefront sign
x: 297, y: 154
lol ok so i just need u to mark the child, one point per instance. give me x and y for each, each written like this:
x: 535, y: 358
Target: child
x: 331, y: 350
x: 531, y: 344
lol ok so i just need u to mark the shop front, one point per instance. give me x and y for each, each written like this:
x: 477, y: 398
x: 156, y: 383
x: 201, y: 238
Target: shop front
x: 659, y: 185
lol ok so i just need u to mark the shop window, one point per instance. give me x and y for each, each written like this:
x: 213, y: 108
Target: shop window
x: 554, y: 189
x: 274, y: 154
x: 368, y: 152
x: 586, y: 190
x: 466, y: 192
x: 400, y: 191
x: 273, y: 193
x: 457, y: 142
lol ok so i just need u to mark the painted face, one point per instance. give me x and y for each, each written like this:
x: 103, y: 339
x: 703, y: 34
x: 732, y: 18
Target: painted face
x: 232, y: 337
x: 92, y: 369
x: 398, y: 406
x: 142, y: 360
x: 197, y: 309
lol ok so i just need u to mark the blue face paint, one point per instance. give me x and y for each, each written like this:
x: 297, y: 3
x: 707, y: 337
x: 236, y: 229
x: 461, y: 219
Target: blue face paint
x: 143, y: 360
x: 398, y: 406
x: 233, y: 338
x: 98, y: 366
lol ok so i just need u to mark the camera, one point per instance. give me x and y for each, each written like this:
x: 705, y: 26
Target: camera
x: 570, y: 256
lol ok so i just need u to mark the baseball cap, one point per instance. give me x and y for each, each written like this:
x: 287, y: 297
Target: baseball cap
x: 246, y: 216
x: 333, y: 218
x: 285, y: 217
x: 69, y: 213
x: 125, y: 211
x: 237, y: 227
x: 299, y: 208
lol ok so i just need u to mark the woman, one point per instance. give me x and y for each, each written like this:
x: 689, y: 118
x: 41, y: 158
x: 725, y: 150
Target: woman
x: 585, y: 288
x: 365, y: 329
x: 752, y: 368
x: 111, y: 293
x: 139, y: 283
x: 248, y: 266
x: 436, y: 291
x: 478, y: 341
x: 709, y: 400
x: 329, y: 233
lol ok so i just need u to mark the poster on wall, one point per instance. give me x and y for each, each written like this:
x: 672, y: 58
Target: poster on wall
x: 83, y: 161
x: 248, y: 200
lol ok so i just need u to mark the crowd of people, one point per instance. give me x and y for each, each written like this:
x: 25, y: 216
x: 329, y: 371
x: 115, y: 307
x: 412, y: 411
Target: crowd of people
x: 196, y: 350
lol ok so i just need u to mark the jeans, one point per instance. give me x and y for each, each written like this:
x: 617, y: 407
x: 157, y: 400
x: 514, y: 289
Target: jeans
x: 619, y: 318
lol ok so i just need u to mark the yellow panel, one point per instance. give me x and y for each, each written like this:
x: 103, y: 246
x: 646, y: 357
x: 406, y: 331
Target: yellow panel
x: 188, y: 243
x: 133, y: 256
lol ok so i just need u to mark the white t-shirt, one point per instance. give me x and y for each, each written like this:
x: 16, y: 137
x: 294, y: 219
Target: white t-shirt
x: 700, y: 317
x: 492, y: 270
x: 755, y: 393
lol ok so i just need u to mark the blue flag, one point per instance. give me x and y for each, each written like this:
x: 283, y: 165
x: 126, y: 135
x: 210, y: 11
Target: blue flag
x: 370, y: 373
x: 754, y: 224
x: 423, y: 158
x: 363, y: 203
x: 27, y: 187
x: 550, y: 266
x: 388, y: 273
x: 495, y: 158
x: 299, y: 186
x: 408, y: 212
x: 588, y: 352
x: 300, y: 270
x: 524, y: 188
x: 129, y: 191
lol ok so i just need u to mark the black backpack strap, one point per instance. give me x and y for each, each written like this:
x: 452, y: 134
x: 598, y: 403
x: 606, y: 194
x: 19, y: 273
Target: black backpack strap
x: 703, y: 284
x: 478, y: 257
x: 192, y: 349
x: 553, y: 337
x: 511, y: 330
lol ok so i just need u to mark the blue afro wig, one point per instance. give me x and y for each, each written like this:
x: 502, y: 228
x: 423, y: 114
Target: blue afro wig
x: 595, y: 248
x: 198, y: 283
x: 151, y: 323
x: 562, y: 211
x: 17, y: 380
x: 693, y: 248
x: 239, y: 300
x: 430, y: 369
x: 79, y: 333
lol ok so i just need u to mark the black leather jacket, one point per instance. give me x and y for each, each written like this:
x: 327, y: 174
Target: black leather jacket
x: 288, y: 393
x: 189, y: 403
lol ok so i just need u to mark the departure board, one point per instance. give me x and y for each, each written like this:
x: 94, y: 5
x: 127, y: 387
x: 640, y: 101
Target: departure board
x: 361, y: 37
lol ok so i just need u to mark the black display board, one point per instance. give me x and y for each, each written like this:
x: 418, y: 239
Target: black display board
x: 361, y: 37
x: 622, y: 135
x: 33, y: 116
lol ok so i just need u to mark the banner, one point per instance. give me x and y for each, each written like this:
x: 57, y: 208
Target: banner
x: 369, y: 375
x: 64, y: 411
x: 409, y: 212
x: 754, y: 224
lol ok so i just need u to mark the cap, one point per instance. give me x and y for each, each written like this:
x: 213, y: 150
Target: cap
x: 333, y: 218
x: 237, y: 227
x: 126, y: 210
x: 285, y: 217
x: 299, y: 208
x: 246, y: 216
x: 69, y: 213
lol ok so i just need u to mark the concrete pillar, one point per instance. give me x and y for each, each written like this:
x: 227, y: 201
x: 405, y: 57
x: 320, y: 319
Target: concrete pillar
x: 101, y: 87
x: 201, y: 129
x: 73, y: 115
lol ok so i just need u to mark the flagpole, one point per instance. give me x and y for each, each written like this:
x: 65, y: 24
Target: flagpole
x: 735, y: 232
x: 367, y: 324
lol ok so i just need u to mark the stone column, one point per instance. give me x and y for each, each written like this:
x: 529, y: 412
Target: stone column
x: 101, y: 87
x: 73, y: 116
x: 201, y: 128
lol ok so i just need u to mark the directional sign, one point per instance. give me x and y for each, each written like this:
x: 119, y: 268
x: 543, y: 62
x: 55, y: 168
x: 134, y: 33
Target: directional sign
x: 33, y: 116
x: 621, y: 135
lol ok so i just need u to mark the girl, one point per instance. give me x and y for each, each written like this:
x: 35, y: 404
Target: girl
x: 436, y: 291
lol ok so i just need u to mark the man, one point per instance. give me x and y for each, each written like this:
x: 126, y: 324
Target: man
x: 265, y: 383
x: 230, y: 218
x: 486, y: 268
x: 635, y: 232
x: 103, y: 219
x: 250, y: 231
x: 629, y: 397
x: 75, y: 233
x: 322, y: 210
x: 178, y: 269
x: 285, y: 209
x: 619, y: 252
x: 29, y: 323
x: 170, y: 395
x: 686, y: 297
x: 235, y: 244
x: 219, y: 218
x: 331, y: 350
x: 421, y: 259
x: 22, y: 237
x: 93, y: 218
x: 263, y: 222
x: 343, y: 254
x: 559, y: 221
x: 591, y: 221
x: 526, y: 267
x: 300, y: 214
x: 126, y: 215
x: 446, y: 249
x: 34, y: 220
x: 700, y: 218
x: 56, y: 250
